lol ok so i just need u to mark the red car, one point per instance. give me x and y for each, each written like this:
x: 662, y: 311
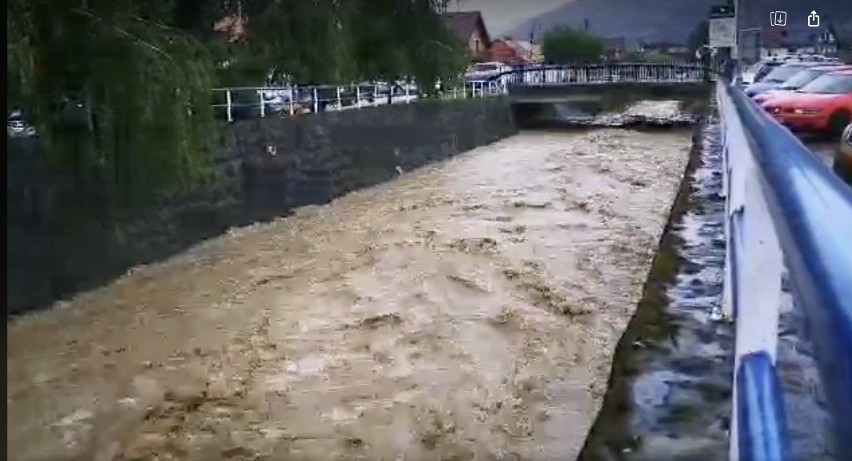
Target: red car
x: 824, y: 105
x: 796, y: 82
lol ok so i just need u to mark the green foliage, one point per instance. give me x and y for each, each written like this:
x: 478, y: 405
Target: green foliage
x: 652, y: 57
x: 119, y: 89
x: 566, y: 45
x: 113, y: 94
x: 333, y: 41
x: 633, y: 56
x: 658, y: 57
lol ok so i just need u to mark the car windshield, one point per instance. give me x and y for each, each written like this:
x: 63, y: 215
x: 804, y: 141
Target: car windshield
x: 755, y: 68
x: 765, y: 69
x: 830, y: 84
x: 782, y: 73
x: 801, y: 79
x: 485, y: 68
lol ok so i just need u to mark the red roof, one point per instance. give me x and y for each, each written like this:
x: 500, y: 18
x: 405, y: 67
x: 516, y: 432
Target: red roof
x: 615, y: 43
x: 462, y: 24
x: 773, y: 36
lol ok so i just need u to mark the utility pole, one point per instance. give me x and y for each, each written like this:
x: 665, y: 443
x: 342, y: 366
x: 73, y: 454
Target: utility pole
x: 735, y: 51
x: 753, y: 35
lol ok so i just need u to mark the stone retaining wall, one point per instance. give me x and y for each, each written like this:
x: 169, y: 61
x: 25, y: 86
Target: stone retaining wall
x: 61, y: 240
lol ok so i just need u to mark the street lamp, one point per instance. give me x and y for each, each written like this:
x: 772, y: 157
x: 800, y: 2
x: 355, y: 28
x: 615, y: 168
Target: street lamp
x: 735, y: 50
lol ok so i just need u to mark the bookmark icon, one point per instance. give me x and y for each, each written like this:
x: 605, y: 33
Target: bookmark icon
x: 778, y: 18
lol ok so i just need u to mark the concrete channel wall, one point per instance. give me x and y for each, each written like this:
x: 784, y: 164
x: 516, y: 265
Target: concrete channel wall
x: 554, y: 106
x: 61, y: 240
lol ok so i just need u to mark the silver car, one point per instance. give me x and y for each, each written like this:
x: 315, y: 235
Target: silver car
x: 843, y: 157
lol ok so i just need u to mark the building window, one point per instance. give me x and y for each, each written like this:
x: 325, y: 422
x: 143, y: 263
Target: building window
x: 477, y: 46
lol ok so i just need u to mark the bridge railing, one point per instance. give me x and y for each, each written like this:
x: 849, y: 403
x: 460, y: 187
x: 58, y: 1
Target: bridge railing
x: 674, y: 71
x: 234, y: 103
x: 783, y: 207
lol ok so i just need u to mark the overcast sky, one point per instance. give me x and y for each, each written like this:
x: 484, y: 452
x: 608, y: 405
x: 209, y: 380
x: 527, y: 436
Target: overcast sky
x: 501, y: 15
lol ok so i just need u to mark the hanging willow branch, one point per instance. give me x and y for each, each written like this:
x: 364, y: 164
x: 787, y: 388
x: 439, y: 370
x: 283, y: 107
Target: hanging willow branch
x: 113, y: 95
x: 119, y: 89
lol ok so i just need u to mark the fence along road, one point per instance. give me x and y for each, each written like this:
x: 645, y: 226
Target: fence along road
x: 251, y: 102
x: 783, y: 206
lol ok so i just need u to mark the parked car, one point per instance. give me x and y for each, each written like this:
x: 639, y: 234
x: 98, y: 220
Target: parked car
x: 485, y: 71
x: 17, y: 126
x: 822, y: 106
x: 277, y: 100
x: 759, y: 70
x: 796, y: 82
x: 843, y: 158
x: 815, y: 58
x: 777, y: 77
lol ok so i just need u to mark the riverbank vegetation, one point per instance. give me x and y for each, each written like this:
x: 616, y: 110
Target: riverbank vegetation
x: 563, y: 45
x: 119, y: 90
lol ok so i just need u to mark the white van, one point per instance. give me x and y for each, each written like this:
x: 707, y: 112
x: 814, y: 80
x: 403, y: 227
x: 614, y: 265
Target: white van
x: 485, y: 71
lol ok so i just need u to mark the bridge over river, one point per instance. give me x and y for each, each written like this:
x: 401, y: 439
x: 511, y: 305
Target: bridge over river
x: 475, y: 308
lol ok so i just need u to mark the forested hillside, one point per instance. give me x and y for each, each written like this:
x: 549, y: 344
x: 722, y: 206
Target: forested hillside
x: 671, y: 20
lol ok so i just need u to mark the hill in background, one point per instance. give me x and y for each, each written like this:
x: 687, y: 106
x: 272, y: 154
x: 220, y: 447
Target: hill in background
x: 671, y: 20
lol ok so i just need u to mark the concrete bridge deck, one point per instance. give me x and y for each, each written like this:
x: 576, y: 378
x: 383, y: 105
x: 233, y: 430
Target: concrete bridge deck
x: 577, y: 92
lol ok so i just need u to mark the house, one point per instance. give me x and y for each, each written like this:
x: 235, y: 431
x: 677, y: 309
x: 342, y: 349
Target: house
x: 512, y: 52
x: 669, y: 48
x: 779, y: 42
x: 232, y: 28
x: 843, y: 36
x: 469, y: 28
x: 616, y: 47
x: 532, y: 51
x: 503, y: 50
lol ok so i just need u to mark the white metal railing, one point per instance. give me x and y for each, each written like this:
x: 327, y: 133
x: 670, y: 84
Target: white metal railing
x: 249, y: 102
x: 252, y: 102
x: 640, y: 72
x: 784, y: 207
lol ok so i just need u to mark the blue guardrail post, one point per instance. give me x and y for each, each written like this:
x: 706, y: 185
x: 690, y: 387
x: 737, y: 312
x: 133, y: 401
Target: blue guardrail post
x: 761, y: 421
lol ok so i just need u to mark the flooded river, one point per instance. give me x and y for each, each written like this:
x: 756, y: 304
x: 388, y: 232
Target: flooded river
x: 466, y: 310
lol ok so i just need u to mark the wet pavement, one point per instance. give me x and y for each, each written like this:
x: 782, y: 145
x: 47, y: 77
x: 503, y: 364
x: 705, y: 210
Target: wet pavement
x: 807, y: 415
x: 467, y: 310
x: 823, y: 150
x: 805, y: 404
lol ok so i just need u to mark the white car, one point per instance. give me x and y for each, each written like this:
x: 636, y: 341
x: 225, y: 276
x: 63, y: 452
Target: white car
x: 759, y: 70
x: 843, y: 158
x: 16, y: 127
x: 485, y: 71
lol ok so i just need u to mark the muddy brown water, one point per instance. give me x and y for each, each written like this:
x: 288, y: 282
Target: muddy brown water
x: 467, y: 310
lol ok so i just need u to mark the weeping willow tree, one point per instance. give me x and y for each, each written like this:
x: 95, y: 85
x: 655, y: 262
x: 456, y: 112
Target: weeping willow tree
x: 393, y: 39
x: 345, y: 40
x: 119, y: 90
x: 116, y: 93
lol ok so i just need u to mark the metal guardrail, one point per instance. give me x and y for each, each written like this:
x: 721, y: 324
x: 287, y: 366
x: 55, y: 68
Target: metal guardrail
x: 252, y: 102
x: 783, y: 206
